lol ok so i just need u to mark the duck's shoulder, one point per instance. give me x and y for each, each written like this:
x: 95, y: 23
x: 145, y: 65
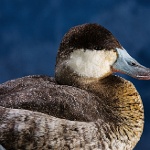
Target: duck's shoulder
x: 43, y: 94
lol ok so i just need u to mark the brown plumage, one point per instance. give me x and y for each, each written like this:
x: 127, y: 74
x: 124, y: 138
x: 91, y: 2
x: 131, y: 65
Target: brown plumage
x: 72, y: 111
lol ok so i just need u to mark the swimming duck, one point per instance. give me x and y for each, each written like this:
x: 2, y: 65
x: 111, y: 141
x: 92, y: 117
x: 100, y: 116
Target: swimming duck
x: 85, y: 106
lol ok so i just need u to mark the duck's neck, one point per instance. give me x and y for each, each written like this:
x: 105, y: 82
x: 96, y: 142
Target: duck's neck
x: 120, y: 105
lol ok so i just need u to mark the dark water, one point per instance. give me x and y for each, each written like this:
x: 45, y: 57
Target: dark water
x: 30, y: 33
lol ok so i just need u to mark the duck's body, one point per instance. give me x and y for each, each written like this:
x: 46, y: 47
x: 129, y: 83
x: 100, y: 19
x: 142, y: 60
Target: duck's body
x: 101, y: 111
x: 114, y: 125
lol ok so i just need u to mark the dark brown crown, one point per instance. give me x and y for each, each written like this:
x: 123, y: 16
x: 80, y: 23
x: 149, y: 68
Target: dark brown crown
x: 88, y: 36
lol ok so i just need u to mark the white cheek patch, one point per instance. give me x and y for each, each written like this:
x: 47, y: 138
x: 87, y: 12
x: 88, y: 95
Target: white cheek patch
x: 92, y: 63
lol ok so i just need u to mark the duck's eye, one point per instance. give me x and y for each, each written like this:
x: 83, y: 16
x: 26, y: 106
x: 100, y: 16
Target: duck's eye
x: 97, y: 48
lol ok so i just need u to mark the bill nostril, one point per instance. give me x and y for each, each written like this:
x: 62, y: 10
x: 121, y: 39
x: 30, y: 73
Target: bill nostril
x: 132, y: 64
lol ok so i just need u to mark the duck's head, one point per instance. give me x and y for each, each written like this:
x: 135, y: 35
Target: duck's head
x: 91, y: 51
